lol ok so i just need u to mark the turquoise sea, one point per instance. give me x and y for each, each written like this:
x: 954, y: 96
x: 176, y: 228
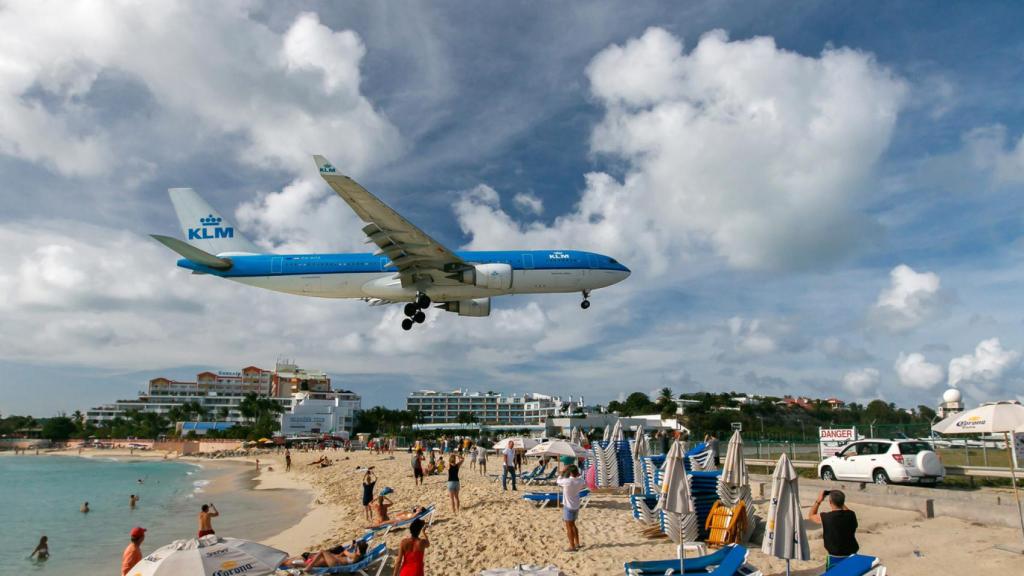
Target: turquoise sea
x: 42, y: 495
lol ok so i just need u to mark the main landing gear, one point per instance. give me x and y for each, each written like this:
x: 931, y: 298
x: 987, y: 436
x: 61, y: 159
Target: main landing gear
x: 586, y: 300
x: 414, y: 311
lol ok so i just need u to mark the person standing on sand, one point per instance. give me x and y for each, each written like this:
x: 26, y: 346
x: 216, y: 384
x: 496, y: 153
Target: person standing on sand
x: 838, y: 527
x: 572, y: 485
x: 132, y: 501
x: 508, y: 466
x: 454, y: 463
x: 472, y: 457
x: 369, y: 481
x: 287, y: 460
x: 481, y: 459
x: 417, y: 466
x: 410, y: 551
x: 133, y: 552
x: 205, y: 523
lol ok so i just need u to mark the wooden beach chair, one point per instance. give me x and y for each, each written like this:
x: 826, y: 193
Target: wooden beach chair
x: 726, y: 525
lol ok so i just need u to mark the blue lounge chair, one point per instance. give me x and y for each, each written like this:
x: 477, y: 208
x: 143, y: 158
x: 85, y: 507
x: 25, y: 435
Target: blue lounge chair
x: 377, y: 555
x: 545, y: 479
x: 527, y: 476
x: 729, y: 561
x: 857, y: 565
x: 426, y: 513
x: 542, y: 499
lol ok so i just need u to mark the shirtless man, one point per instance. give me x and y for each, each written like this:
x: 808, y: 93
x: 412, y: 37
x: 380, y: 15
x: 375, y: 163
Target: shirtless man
x: 205, y: 524
x: 132, y: 501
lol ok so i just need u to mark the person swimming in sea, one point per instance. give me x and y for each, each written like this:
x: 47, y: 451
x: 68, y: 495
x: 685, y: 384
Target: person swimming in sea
x: 132, y: 501
x: 42, y: 551
x: 84, y: 509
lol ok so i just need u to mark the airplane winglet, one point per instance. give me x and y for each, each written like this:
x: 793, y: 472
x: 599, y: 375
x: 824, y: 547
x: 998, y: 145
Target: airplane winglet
x: 194, y: 254
x: 324, y: 166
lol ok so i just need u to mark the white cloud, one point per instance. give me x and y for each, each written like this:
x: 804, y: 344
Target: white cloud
x: 862, y: 382
x: 989, y: 148
x: 529, y: 203
x: 743, y: 339
x: 209, y: 66
x: 754, y: 153
x: 911, y: 299
x: 914, y: 371
x: 989, y: 363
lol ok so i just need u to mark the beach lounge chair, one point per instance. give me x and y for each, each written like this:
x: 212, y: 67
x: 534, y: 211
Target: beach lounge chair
x: 857, y: 565
x: 550, y: 477
x: 726, y: 525
x: 729, y: 561
x: 643, y: 508
x: 378, y: 556
x: 527, y: 476
x: 542, y: 499
x: 425, y: 514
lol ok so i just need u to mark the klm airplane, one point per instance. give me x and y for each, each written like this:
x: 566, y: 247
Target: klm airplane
x: 408, y: 267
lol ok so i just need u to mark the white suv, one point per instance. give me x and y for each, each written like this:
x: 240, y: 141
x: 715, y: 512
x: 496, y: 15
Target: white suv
x: 884, y: 461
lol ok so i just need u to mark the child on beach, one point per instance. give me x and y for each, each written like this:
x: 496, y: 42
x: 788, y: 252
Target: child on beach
x: 133, y: 552
x: 369, y: 481
x: 417, y: 466
x: 454, y: 463
x: 481, y: 459
x: 205, y: 522
x: 410, y: 551
x: 472, y: 458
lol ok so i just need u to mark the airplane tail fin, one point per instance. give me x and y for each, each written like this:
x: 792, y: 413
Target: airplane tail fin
x: 204, y: 228
x: 194, y: 254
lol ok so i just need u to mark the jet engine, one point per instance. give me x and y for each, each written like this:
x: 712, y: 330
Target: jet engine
x: 490, y: 276
x: 474, y: 307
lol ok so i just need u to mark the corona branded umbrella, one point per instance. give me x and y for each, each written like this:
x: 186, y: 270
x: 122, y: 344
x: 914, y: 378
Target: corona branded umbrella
x: 675, y: 494
x: 210, y: 555
x: 990, y: 418
x: 784, y: 534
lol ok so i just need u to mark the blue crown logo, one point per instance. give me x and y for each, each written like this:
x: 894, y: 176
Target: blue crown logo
x: 210, y: 220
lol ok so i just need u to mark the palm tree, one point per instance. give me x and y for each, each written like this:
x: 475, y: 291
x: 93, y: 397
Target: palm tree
x: 223, y: 413
x: 665, y: 395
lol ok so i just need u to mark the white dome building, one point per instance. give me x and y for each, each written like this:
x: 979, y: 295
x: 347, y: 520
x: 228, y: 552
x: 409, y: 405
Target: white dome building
x: 952, y: 403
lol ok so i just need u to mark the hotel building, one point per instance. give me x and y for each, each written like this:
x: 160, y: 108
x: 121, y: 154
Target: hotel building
x: 486, y: 407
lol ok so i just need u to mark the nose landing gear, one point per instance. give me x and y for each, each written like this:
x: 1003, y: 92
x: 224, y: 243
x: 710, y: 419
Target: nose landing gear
x: 586, y: 300
x: 414, y: 311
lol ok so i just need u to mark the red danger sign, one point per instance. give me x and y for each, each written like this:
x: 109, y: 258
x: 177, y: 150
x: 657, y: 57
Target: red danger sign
x: 836, y: 433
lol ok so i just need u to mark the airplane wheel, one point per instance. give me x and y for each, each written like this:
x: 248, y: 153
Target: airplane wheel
x: 407, y: 324
x: 419, y: 317
x: 411, y: 309
x: 423, y: 301
x: 585, y: 304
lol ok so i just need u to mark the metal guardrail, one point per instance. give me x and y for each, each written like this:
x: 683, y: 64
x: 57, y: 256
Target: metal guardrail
x: 975, y: 471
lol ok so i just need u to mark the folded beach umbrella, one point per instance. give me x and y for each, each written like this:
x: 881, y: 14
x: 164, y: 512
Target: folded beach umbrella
x: 991, y: 418
x: 640, y: 449
x: 607, y: 433
x: 210, y: 555
x: 734, y: 469
x: 675, y: 495
x: 557, y: 448
x: 784, y: 534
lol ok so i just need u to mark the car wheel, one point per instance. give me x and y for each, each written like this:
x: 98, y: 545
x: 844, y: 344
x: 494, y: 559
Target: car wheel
x: 880, y: 477
x: 827, y: 474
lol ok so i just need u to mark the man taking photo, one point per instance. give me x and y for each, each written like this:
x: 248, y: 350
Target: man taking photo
x: 838, y: 527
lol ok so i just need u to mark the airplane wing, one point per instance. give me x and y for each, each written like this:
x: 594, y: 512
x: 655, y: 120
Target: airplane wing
x: 411, y: 250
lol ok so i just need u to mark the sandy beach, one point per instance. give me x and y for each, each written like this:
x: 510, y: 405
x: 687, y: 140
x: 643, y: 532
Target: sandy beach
x: 498, y: 529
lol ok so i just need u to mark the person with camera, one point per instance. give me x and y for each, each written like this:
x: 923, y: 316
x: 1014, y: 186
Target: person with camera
x: 369, y: 481
x: 838, y: 527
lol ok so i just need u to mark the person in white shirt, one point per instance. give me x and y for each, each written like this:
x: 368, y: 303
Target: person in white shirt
x: 572, y: 485
x: 509, y: 466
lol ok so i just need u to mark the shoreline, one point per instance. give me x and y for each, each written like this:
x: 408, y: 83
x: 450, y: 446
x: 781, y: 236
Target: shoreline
x: 312, y: 527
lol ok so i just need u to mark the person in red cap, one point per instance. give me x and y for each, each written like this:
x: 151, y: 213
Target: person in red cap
x: 133, y: 553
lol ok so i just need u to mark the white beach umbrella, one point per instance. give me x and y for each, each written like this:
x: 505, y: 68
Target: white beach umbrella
x: 616, y: 435
x: 640, y: 449
x: 734, y: 470
x: 990, y: 418
x: 557, y: 448
x: 785, y: 536
x: 675, y: 493
x: 607, y: 433
x: 210, y: 555
x: 517, y: 442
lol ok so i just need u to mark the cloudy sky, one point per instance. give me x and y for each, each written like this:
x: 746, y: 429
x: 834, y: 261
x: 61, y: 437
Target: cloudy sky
x: 814, y: 199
